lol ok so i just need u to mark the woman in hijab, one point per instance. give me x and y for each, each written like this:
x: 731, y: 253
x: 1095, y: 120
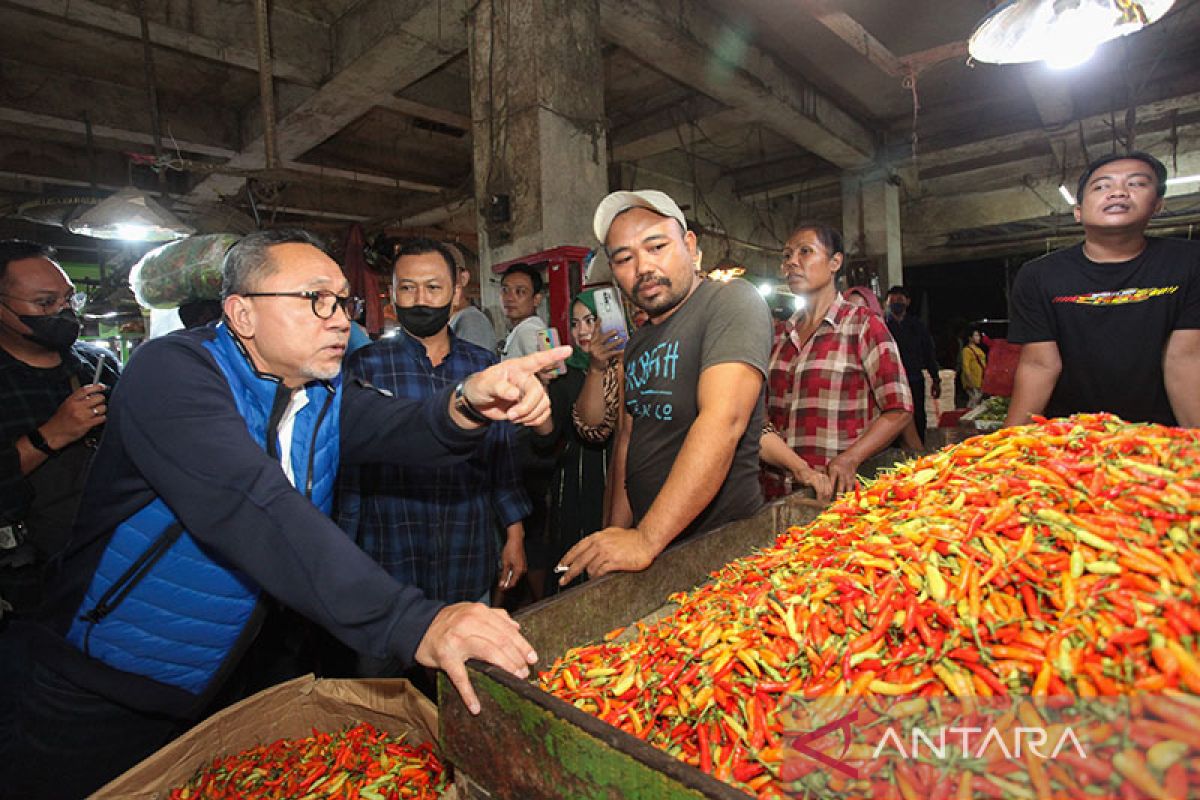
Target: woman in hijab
x: 585, y: 402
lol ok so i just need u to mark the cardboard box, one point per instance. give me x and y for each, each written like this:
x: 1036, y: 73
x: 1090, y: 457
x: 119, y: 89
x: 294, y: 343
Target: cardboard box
x: 289, y: 710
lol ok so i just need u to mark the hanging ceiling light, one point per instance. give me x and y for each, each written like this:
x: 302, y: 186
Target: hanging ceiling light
x: 132, y: 215
x: 1062, y: 33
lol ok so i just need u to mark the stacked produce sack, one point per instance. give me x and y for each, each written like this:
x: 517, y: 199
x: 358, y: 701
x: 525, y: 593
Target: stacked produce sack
x: 182, y: 271
x: 1044, y: 575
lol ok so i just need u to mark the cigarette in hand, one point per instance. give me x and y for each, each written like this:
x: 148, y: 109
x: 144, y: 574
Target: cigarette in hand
x: 508, y: 579
x: 560, y: 569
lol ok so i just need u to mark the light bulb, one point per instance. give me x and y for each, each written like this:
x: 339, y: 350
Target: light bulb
x: 1071, y: 53
x: 132, y: 232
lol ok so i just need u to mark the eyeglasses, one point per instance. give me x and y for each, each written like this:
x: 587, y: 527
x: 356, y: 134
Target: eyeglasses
x: 50, y: 305
x: 323, y: 303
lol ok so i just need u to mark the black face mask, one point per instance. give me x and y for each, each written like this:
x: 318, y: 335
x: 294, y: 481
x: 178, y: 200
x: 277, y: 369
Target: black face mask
x: 897, y: 309
x: 55, y: 332
x: 423, y: 321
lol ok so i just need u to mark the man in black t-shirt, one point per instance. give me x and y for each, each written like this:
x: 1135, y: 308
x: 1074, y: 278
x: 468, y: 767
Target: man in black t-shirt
x: 1112, y: 324
x: 686, y: 455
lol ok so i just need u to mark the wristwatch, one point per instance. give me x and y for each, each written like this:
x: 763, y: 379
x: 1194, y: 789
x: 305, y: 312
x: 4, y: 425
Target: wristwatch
x: 463, y: 406
x: 37, y: 440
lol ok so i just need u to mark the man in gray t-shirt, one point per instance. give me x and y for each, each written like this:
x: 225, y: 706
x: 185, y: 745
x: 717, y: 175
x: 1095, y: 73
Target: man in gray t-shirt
x: 686, y: 456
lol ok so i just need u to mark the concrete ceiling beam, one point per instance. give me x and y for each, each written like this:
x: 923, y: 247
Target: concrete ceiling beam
x: 372, y: 24
x: 31, y: 120
x: 813, y: 187
x: 935, y: 216
x: 62, y: 164
x: 850, y: 31
x: 984, y: 153
x: 307, y: 72
x: 669, y: 130
x: 688, y: 42
x: 354, y: 176
x: 932, y: 218
x: 747, y: 178
x: 924, y: 59
x: 366, y: 202
x: 26, y: 119
x: 70, y: 97
x: 399, y: 53
x: 412, y: 108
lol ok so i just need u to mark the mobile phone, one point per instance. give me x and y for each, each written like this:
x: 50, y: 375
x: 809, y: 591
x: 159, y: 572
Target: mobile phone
x: 611, y: 314
x: 548, y: 340
x: 99, y: 370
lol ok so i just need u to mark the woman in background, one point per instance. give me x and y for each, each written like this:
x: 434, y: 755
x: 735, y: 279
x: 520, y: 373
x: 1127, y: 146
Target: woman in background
x: 974, y: 362
x: 585, y: 402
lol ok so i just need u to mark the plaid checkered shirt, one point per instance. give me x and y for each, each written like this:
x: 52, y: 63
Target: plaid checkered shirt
x: 822, y: 394
x: 436, y: 528
x: 29, y: 397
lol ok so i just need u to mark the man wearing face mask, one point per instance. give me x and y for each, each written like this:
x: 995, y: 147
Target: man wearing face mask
x: 434, y: 528
x: 53, y: 413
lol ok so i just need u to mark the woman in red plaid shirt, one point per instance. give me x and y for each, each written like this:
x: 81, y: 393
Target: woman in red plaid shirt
x: 836, y: 389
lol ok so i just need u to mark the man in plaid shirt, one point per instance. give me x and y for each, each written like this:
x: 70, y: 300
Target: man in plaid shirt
x: 435, y: 528
x: 836, y: 388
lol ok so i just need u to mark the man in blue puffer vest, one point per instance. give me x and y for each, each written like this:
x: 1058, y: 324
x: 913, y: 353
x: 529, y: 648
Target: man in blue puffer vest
x: 212, y: 488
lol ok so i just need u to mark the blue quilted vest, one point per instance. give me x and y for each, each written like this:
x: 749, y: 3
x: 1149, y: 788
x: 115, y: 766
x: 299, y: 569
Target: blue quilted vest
x: 163, y: 606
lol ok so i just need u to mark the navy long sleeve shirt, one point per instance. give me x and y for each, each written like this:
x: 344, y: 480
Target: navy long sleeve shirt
x: 434, y: 527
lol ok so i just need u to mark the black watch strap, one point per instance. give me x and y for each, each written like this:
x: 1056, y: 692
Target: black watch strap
x: 463, y: 406
x: 37, y: 440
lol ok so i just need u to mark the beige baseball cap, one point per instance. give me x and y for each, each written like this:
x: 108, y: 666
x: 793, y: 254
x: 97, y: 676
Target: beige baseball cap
x: 615, y: 203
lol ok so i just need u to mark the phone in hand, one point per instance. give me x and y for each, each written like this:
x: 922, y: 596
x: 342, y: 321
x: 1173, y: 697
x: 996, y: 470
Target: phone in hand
x: 610, y: 314
x: 548, y: 340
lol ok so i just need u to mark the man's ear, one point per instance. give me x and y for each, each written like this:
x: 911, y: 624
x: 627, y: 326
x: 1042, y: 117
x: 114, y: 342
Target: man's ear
x: 240, y: 315
x: 837, y: 261
x: 692, y: 245
x: 1078, y: 214
x: 1159, y: 206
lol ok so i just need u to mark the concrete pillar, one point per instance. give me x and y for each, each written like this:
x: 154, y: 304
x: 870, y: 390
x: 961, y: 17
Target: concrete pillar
x: 537, y: 105
x: 871, y: 223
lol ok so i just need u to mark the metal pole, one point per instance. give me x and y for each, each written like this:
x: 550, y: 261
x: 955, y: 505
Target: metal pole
x: 266, y: 87
x: 152, y: 96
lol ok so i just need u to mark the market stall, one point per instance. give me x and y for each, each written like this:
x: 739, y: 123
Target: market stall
x: 1036, y: 578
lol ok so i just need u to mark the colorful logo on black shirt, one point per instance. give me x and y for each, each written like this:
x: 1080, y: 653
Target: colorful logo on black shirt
x: 1123, y: 297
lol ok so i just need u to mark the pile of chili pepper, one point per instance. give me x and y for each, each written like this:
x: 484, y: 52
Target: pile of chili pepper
x: 1051, y: 560
x: 359, y: 762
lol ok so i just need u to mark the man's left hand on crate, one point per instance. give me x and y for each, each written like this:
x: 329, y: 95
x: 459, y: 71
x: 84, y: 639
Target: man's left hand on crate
x: 471, y: 630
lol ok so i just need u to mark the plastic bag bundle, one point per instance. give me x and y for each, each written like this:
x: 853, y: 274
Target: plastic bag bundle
x: 181, y: 271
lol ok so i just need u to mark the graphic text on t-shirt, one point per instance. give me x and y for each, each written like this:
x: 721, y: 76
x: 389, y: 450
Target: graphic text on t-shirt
x: 656, y: 364
x: 1122, y: 297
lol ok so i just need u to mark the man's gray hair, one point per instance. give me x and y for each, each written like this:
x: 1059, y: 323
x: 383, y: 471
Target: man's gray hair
x: 248, y: 263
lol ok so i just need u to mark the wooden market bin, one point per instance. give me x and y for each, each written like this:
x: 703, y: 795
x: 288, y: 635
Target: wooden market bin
x: 528, y: 744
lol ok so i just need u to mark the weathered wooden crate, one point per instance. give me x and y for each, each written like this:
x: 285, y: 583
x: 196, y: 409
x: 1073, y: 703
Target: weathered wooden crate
x: 528, y: 744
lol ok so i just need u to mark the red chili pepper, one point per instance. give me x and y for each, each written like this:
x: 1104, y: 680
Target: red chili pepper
x: 1031, y: 604
x: 705, y: 752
